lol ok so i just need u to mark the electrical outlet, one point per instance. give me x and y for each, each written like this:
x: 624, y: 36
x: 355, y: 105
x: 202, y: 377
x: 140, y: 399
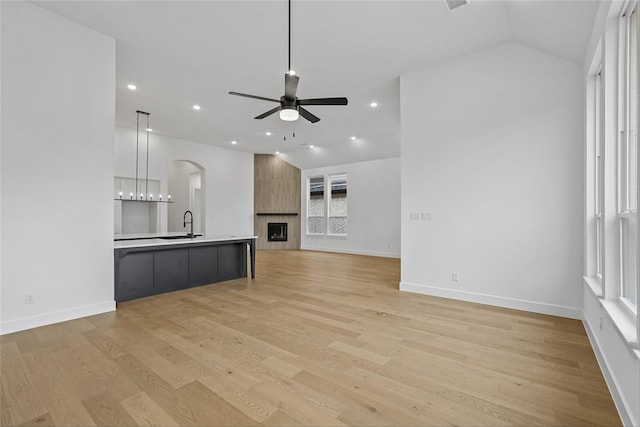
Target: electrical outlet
x: 455, y: 276
x: 29, y: 299
x: 600, y: 322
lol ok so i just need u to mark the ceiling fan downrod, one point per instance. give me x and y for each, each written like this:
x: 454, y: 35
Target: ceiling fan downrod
x: 289, y: 63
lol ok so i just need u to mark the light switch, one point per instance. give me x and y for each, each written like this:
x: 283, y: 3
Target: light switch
x: 425, y: 216
x: 414, y: 216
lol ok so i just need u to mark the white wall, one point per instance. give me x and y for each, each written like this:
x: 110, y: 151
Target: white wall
x: 492, y: 148
x: 227, y: 179
x: 58, y: 102
x: 373, y: 209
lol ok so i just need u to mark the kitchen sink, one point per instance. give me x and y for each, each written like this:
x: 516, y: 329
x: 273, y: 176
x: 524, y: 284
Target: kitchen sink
x: 173, y: 237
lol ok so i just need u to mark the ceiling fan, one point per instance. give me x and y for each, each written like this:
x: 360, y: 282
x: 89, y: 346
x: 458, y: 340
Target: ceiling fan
x: 291, y: 107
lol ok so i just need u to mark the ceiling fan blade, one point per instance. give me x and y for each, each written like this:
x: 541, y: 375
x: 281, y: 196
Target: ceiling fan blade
x: 254, y: 96
x: 307, y: 115
x: 290, y: 85
x: 267, y: 114
x: 323, y: 101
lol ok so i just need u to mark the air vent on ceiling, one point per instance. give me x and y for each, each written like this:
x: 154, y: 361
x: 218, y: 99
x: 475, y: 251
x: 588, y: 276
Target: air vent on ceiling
x: 452, y: 4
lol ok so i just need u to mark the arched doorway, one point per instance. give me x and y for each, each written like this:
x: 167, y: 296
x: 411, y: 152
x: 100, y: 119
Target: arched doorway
x: 187, y: 189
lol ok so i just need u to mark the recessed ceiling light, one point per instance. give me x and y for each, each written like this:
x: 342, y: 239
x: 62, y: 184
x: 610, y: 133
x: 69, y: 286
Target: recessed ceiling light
x: 268, y: 133
x: 277, y: 152
x: 234, y: 142
x: 132, y: 86
x: 311, y: 146
x: 353, y: 138
x: 149, y: 129
x: 196, y: 107
x: 373, y: 104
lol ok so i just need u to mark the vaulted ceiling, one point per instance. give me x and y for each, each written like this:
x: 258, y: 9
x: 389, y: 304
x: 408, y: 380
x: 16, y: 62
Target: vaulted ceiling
x: 181, y: 53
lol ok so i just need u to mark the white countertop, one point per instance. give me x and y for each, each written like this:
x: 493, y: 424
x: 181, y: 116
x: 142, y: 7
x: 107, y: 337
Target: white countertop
x: 134, y: 236
x: 152, y: 239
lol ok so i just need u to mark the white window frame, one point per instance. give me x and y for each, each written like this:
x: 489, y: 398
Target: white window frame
x: 598, y: 167
x: 330, y: 214
x: 610, y: 58
x: 626, y: 213
x: 324, y: 207
x: 594, y: 219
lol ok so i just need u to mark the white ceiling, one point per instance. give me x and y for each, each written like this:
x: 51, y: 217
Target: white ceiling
x: 181, y: 53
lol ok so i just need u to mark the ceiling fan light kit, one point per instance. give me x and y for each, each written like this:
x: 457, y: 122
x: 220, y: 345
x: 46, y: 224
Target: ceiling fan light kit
x: 289, y: 114
x: 290, y: 108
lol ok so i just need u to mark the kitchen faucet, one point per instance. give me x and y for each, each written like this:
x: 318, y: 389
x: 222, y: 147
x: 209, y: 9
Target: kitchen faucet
x: 184, y: 222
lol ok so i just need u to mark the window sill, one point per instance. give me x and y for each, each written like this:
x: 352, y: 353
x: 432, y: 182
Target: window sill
x: 624, y: 322
x: 594, y: 284
x: 337, y: 236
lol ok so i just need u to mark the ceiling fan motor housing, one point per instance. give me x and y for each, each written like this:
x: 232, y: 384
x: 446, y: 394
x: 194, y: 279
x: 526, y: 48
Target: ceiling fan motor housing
x: 288, y: 102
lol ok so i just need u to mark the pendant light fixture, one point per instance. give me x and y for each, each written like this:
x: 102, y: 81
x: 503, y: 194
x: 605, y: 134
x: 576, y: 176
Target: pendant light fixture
x: 140, y: 184
x: 148, y: 130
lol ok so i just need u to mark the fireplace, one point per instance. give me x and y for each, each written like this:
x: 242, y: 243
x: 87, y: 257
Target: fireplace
x: 276, y: 231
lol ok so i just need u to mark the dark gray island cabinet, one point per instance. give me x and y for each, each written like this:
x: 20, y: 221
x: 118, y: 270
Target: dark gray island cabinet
x: 147, y: 268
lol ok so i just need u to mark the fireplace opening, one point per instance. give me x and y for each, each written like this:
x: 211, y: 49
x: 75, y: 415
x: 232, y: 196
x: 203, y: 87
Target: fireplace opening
x: 277, y: 232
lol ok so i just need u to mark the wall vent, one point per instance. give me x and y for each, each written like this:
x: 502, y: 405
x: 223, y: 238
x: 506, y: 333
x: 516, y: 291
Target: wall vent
x: 452, y: 4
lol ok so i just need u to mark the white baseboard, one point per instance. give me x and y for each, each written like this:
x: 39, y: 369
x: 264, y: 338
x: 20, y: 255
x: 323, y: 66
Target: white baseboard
x: 618, y: 400
x: 353, y: 252
x: 518, y: 304
x: 24, y: 323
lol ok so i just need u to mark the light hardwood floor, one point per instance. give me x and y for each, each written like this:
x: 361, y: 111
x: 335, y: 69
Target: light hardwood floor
x: 316, y: 339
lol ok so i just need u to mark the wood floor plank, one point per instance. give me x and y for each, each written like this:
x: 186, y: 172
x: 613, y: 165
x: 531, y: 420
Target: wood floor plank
x: 166, y: 370
x: 241, y: 398
x: 56, y: 392
x: 310, y: 411
x: 211, y: 360
x: 282, y: 367
x: 359, y: 352
x: 43, y: 420
x: 146, y: 412
x: 20, y: 399
x: 102, y: 369
x: 213, y: 409
x: 315, y: 339
x: 107, y: 411
x: 364, y: 408
x: 282, y: 419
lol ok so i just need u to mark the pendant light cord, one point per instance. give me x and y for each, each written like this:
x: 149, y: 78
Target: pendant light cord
x: 137, y: 149
x: 146, y: 185
x: 146, y: 188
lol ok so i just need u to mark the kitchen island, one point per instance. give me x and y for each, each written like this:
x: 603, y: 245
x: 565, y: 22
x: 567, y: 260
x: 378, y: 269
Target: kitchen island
x: 157, y: 263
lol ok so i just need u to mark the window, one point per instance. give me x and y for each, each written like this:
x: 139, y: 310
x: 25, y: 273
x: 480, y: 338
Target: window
x: 628, y: 170
x: 612, y: 267
x: 338, y: 205
x: 598, y: 184
x: 331, y: 211
x: 315, y: 205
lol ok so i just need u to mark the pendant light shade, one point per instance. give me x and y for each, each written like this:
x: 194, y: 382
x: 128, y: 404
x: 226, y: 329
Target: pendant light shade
x: 289, y: 114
